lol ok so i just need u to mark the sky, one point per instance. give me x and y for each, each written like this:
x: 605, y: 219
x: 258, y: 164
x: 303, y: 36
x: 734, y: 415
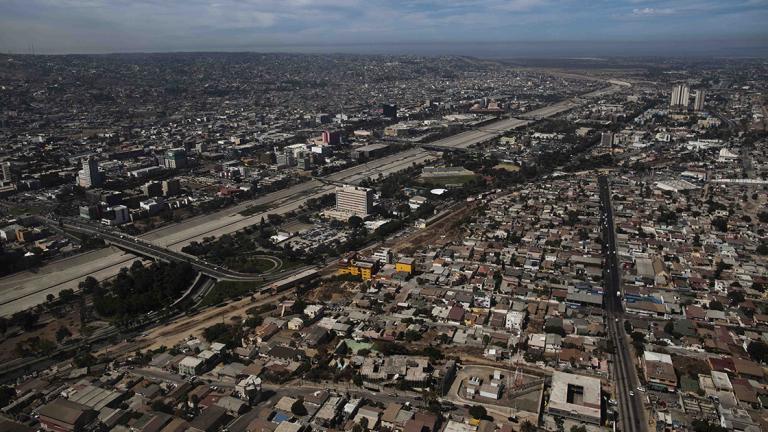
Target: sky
x: 487, y: 27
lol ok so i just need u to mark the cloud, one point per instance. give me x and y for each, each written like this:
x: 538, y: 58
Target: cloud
x: 652, y: 12
x: 168, y: 25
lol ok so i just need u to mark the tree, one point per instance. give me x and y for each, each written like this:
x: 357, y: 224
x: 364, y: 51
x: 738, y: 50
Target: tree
x: 85, y: 360
x: 758, y: 350
x: 478, y: 412
x: 638, y: 341
x: 412, y: 335
x: 706, y: 426
x: 160, y: 406
x: 578, y: 428
x: 736, y: 297
x: 355, y: 221
x: 298, y: 409
x: 274, y: 219
x: 628, y: 327
x: 66, y: 295
x: 669, y: 328
x: 25, y: 319
x: 89, y: 285
x: 716, y: 305
x: 555, y: 329
x: 6, y: 395
x: 61, y: 333
x: 527, y: 426
x: 720, y: 223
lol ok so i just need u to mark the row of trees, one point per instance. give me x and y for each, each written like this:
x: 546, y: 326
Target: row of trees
x: 141, y: 289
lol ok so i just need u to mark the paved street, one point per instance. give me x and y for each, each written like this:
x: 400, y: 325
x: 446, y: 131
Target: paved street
x: 631, y: 411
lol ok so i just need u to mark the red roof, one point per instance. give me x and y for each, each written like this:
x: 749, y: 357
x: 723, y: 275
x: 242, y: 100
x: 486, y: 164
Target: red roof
x: 456, y: 313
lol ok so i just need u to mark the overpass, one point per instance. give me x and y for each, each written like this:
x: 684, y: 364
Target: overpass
x: 27, y: 289
x: 148, y: 249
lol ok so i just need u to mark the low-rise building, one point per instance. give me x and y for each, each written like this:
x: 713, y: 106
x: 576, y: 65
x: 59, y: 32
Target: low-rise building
x: 575, y: 396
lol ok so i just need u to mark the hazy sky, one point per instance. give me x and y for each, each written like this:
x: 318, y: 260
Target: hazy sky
x: 599, y: 26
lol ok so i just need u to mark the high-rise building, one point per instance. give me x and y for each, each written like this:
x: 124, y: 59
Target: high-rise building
x: 176, y: 158
x: 152, y: 189
x: 5, y: 167
x: 331, y: 137
x: 680, y: 95
x: 304, y: 160
x: 606, y: 140
x: 90, y: 176
x: 285, y: 159
x: 323, y: 118
x: 355, y: 200
x: 171, y: 187
x: 116, y: 215
x: 389, y: 111
x: 698, y: 102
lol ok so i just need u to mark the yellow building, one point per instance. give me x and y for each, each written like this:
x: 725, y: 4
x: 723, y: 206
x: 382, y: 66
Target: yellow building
x: 404, y: 265
x: 364, y: 269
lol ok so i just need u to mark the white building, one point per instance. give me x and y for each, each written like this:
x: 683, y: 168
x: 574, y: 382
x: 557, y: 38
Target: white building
x: 5, y: 167
x: 680, y: 95
x: 90, y: 176
x: 575, y: 396
x: 117, y: 215
x: 354, y: 200
x: 191, y: 366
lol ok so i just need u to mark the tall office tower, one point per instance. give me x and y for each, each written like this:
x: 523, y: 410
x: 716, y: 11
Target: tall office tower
x: 355, y: 200
x: 152, y: 189
x: 285, y: 159
x: 680, y: 95
x: 6, y: 171
x: 304, y: 160
x: 171, y: 187
x: 698, y: 103
x: 331, y: 137
x: 606, y: 140
x: 176, y: 158
x: 90, y: 176
x: 389, y: 110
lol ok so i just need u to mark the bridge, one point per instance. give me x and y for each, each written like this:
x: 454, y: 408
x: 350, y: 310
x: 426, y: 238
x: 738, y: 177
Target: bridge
x: 150, y: 250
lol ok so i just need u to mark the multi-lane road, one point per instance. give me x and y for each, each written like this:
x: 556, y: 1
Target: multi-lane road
x: 496, y: 129
x: 144, y: 248
x: 628, y: 397
x: 27, y: 289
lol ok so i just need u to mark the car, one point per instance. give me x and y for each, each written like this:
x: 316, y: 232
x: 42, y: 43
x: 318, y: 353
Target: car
x: 631, y: 393
x: 640, y: 388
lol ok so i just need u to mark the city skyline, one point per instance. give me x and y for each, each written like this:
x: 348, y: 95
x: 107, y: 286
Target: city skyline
x: 493, y: 28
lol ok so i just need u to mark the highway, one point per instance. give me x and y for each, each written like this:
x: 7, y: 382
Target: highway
x: 496, y: 129
x: 629, y: 398
x: 26, y: 289
x: 151, y: 250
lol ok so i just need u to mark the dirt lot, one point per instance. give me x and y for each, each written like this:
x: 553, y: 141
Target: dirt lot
x: 45, y: 329
x: 192, y: 325
x: 440, y: 233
